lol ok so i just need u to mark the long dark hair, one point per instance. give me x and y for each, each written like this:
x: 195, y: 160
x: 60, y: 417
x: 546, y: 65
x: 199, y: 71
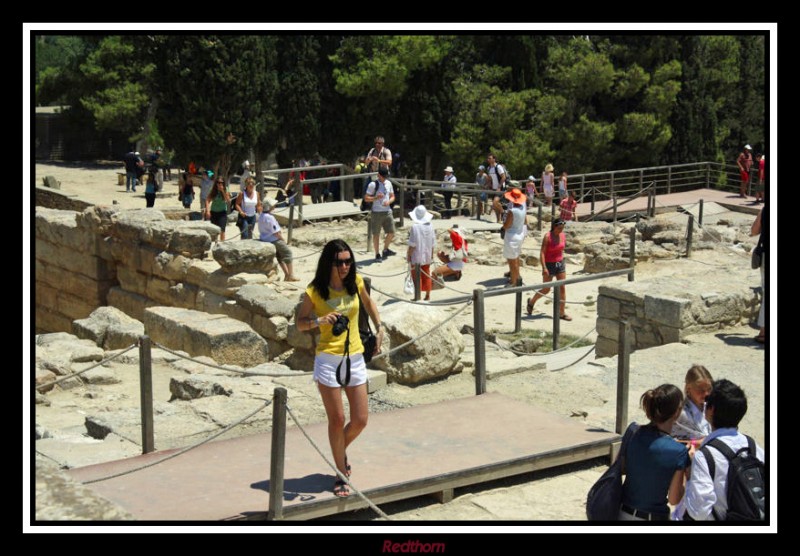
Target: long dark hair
x: 322, y: 277
x: 213, y: 193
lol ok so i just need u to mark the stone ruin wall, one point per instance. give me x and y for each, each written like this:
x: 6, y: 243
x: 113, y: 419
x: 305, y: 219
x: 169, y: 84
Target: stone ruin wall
x: 136, y: 259
x: 666, y: 310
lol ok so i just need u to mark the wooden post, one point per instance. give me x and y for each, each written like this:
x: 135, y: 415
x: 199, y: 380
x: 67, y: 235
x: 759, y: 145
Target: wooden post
x: 291, y: 224
x: 277, y: 454
x: 146, y: 394
x: 669, y: 180
x: 539, y: 217
x: 583, y: 184
x: 480, y: 338
x: 689, y: 234
x: 614, y: 208
x: 298, y: 200
x: 641, y: 180
x: 556, y: 316
x: 518, y: 312
x: 700, y: 214
x: 594, y: 191
x: 402, y: 202
x: 623, y: 377
x: 632, y: 253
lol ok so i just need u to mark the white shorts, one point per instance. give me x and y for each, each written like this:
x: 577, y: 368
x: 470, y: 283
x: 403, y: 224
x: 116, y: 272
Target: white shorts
x: 456, y: 265
x: 512, y: 246
x: 325, y: 369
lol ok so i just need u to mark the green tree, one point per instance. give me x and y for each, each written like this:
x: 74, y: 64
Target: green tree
x: 219, y: 101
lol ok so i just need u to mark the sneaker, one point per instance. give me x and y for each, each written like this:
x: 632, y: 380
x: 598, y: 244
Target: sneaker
x: 388, y: 253
x: 377, y: 256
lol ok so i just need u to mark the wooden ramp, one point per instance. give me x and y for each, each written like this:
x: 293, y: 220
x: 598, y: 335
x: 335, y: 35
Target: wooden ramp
x: 429, y: 449
x: 318, y: 211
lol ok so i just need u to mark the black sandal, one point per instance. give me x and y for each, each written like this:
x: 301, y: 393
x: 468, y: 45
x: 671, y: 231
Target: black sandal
x: 530, y: 308
x: 341, y: 489
x: 347, y: 470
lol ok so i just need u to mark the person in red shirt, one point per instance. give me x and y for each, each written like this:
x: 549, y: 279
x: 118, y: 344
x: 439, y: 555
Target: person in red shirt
x: 568, y: 205
x: 744, y: 162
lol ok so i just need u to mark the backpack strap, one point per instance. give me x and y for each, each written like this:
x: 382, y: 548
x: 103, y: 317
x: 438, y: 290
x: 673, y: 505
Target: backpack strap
x: 712, y: 468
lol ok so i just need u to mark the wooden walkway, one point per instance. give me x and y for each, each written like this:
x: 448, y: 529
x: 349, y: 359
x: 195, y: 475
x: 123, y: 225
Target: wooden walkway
x: 429, y: 449
x: 670, y: 202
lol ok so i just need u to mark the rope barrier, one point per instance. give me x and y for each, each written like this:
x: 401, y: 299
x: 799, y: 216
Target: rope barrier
x: 549, y: 352
x: 332, y: 466
x: 215, y: 366
x: 73, y: 375
x: 184, y: 450
x: 411, y: 302
x: 581, y: 358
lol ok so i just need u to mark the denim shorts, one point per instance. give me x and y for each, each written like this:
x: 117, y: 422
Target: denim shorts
x: 556, y: 268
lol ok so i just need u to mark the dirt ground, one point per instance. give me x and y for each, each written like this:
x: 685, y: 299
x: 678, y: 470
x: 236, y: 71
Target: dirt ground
x: 554, y: 495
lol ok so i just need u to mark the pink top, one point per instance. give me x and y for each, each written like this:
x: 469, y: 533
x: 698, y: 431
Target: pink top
x: 555, y: 251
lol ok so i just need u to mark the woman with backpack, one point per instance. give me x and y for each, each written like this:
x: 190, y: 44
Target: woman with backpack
x: 655, y: 463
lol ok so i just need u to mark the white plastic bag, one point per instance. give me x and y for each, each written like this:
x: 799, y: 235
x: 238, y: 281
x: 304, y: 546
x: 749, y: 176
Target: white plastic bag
x: 408, y: 286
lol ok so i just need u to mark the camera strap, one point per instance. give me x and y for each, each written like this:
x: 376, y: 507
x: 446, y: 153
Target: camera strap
x: 347, y: 364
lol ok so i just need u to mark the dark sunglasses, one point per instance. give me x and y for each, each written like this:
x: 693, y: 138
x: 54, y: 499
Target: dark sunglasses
x: 343, y: 262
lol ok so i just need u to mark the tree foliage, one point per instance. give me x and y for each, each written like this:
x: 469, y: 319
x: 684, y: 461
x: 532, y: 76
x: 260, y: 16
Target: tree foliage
x: 583, y: 103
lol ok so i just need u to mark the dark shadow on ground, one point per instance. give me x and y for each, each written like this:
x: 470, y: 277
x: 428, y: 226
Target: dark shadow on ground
x: 302, y: 488
x: 739, y: 340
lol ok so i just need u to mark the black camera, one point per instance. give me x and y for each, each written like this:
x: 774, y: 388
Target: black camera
x: 341, y: 324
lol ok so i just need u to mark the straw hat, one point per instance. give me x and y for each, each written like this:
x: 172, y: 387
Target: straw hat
x: 548, y: 168
x: 420, y: 215
x: 449, y: 169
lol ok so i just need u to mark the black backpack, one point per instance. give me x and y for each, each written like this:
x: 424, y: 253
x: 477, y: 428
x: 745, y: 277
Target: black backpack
x: 746, y: 487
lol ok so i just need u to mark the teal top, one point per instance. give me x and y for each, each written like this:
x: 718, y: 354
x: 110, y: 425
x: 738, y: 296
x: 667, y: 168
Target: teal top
x: 218, y: 204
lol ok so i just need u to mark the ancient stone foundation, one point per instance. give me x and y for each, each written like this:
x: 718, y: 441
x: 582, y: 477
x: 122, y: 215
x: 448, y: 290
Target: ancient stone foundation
x: 668, y: 309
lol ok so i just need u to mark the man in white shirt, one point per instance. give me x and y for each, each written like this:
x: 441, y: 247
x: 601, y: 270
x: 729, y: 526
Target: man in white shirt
x: 706, y: 498
x: 381, y: 194
x: 270, y: 231
x: 379, y: 157
x: 498, y: 176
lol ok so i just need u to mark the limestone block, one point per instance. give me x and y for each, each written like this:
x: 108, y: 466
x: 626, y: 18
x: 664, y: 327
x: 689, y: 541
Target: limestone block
x: 171, y: 266
x: 44, y: 376
x: 183, y: 295
x: 199, y: 271
x: 244, y: 256
x: 159, y: 290
x: 45, y: 295
x: 718, y: 308
x: 669, y: 334
x: 608, y: 307
x: 132, y: 304
x: 620, y: 293
x: 96, y: 327
x: 131, y: 280
x: 197, y: 386
x: 218, y: 282
x: 608, y: 328
x: 226, y: 340
x: 190, y: 241
x: 147, y: 259
x: 230, y: 308
x: 604, y: 347
x: 276, y: 327
x: 75, y: 261
x: 125, y: 253
x: 263, y: 300
x: 48, y: 320
x: 302, y: 340
x: 672, y: 311
x: 73, y: 307
x: 248, y: 279
x: 432, y: 356
x: 142, y: 226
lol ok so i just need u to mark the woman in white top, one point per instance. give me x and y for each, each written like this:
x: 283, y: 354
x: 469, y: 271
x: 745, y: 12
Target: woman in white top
x: 421, y: 243
x: 548, y: 184
x: 246, y: 205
